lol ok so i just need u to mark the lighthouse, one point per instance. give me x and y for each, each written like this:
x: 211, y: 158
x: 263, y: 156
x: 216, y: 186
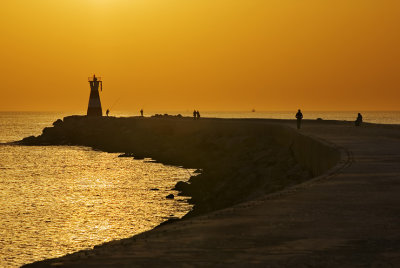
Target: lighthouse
x: 94, y: 107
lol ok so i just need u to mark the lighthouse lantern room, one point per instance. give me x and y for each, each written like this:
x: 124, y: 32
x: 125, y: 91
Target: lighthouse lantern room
x: 94, y: 107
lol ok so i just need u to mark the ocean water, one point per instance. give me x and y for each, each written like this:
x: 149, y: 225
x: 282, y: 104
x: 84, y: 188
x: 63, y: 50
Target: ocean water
x: 56, y: 200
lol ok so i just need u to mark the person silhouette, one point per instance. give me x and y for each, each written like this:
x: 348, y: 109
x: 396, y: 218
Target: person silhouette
x: 141, y: 112
x: 107, y: 112
x: 358, y: 120
x: 198, y: 114
x: 299, y: 116
x: 194, y: 114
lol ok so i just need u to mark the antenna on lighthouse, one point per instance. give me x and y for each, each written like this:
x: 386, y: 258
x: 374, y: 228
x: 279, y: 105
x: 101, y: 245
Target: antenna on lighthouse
x: 94, y: 107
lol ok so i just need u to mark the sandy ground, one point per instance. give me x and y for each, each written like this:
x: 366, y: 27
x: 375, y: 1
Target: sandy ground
x: 348, y: 217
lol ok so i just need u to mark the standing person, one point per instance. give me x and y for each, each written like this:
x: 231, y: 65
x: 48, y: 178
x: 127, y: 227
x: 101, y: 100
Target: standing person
x: 107, y: 112
x: 358, y: 120
x: 141, y: 112
x: 198, y: 114
x: 194, y: 114
x: 299, y: 116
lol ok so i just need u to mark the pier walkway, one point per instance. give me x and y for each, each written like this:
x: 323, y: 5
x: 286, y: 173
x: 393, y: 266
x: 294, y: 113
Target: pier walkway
x: 348, y: 217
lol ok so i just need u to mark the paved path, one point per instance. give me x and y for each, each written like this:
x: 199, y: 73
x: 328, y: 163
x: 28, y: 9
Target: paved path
x: 347, y: 218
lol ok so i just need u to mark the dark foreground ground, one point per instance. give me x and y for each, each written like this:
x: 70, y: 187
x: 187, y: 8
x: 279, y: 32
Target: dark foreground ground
x: 346, y: 216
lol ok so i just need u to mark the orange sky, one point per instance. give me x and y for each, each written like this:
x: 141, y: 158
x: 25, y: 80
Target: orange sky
x: 203, y: 54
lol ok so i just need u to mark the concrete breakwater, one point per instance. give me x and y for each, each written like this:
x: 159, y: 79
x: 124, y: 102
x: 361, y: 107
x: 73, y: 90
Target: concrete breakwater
x: 239, y: 159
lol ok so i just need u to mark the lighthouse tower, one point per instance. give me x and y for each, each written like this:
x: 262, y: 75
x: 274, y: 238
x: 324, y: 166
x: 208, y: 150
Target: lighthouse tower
x: 94, y: 107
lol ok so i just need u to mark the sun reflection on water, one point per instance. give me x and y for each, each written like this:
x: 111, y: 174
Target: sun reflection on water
x: 56, y: 200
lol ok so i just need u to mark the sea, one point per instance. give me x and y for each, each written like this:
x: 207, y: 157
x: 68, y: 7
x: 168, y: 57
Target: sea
x: 56, y: 200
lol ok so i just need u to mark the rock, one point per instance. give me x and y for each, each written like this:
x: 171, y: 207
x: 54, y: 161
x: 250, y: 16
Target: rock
x: 181, y: 186
x: 31, y: 140
x: 57, y: 123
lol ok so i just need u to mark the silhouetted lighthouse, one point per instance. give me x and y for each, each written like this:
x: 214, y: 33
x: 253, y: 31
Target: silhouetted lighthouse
x: 94, y: 107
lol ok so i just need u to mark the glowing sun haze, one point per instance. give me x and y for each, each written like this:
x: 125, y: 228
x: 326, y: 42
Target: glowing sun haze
x: 208, y: 54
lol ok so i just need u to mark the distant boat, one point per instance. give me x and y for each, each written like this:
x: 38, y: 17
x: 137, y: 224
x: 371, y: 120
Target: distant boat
x: 253, y: 111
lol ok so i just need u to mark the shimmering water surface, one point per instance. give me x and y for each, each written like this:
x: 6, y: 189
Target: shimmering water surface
x: 57, y: 199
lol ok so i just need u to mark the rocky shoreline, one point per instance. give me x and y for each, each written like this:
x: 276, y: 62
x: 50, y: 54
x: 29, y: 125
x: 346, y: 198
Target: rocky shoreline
x: 239, y: 160
x: 346, y: 216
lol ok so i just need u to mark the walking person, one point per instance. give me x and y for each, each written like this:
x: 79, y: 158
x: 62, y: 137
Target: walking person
x: 141, y: 112
x: 299, y: 116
